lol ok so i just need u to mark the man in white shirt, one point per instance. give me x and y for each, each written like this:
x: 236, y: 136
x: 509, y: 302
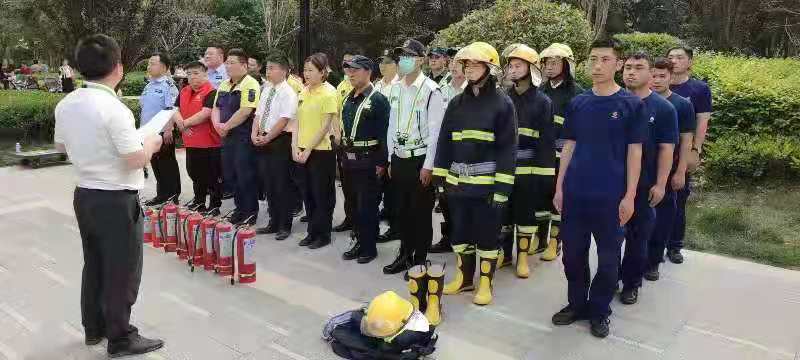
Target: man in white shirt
x: 417, y: 108
x: 388, y: 68
x: 98, y: 133
x: 277, y: 106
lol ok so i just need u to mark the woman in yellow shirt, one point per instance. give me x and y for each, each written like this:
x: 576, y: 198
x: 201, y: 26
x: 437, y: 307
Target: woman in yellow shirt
x: 311, y: 146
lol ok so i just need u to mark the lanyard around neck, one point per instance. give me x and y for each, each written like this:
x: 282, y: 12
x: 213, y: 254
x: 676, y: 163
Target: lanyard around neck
x: 410, y: 113
x: 358, y: 114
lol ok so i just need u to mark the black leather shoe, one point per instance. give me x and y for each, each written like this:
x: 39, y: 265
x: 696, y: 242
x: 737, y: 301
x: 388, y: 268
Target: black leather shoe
x: 304, y: 218
x: 366, y: 259
x: 135, y: 344
x: 600, y: 326
x: 568, y: 315
x: 344, y: 226
x: 269, y: 229
x: 443, y: 246
x: 629, y: 296
x: 92, y: 339
x: 236, y: 217
x: 652, y: 273
x: 282, y: 235
x: 353, y: 253
x: 158, y: 200
x: 308, y: 240
x: 227, y: 195
x: 321, y: 241
x: 675, y: 256
x: 400, y: 264
x: 389, y: 235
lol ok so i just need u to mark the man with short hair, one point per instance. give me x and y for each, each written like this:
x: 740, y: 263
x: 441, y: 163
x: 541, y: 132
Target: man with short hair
x: 343, y: 89
x: 698, y: 92
x: 600, y: 166
x: 201, y: 141
x: 214, y: 58
x: 254, y: 69
x: 365, y: 120
x: 98, y: 133
x: 657, y: 152
x: 277, y: 107
x: 160, y: 94
x: 232, y: 117
x: 388, y: 69
x: 438, y: 61
x: 668, y: 208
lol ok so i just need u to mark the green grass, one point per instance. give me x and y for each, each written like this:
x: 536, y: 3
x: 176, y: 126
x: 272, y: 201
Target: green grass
x: 757, y: 223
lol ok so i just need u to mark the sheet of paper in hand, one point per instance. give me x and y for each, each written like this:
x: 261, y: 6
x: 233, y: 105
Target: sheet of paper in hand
x: 156, y: 124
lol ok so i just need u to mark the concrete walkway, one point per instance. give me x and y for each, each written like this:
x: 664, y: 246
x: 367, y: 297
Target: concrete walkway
x: 711, y: 307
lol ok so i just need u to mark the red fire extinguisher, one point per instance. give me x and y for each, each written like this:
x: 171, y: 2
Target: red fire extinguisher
x: 170, y: 221
x: 182, y: 233
x: 194, y: 252
x: 245, y: 255
x: 208, y: 228
x: 223, y: 247
x: 147, y: 233
x: 158, y: 229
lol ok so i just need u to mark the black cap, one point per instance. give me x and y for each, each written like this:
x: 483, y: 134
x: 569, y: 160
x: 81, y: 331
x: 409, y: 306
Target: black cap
x: 439, y: 51
x: 410, y: 47
x: 451, y: 52
x: 387, y: 54
x: 359, y: 62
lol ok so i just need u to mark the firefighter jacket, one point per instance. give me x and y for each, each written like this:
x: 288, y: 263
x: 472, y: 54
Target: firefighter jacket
x: 535, y: 151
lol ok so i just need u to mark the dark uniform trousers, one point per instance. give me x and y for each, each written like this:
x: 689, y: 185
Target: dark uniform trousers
x: 320, y: 181
x: 349, y: 200
x: 204, y: 166
x: 239, y: 169
x: 665, y: 218
x: 165, y: 169
x: 110, y: 224
x: 581, y: 220
x: 637, y: 236
x: 364, y: 188
x: 679, y: 225
x: 413, y: 207
x: 274, y: 160
x: 475, y: 221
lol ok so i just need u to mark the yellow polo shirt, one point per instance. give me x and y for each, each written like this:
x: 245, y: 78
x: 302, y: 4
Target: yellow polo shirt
x: 314, y: 104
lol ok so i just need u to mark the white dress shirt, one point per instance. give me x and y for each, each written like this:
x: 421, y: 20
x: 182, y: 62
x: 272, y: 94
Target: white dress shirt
x: 97, y: 130
x: 284, y: 105
x: 383, y: 87
x: 416, y: 113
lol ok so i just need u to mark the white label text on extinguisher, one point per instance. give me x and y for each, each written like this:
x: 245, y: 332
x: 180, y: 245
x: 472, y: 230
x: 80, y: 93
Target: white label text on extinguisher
x: 249, y: 247
x: 226, y: 243
x: 146, y: 222
x: 209, y: 240
x: 170, y: 224
x: 158, y: 229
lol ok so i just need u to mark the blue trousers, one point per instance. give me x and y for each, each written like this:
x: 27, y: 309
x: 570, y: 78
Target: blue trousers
x: 239, y: 168
x: 580, y: 220
x: 679, y: 225
x: 637, y: 236
x: 665, y: 219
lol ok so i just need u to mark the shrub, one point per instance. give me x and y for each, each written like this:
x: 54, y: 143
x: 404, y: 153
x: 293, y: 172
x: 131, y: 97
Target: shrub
x: 654, y: 44
x: 133, y: 83
x: 31, y: 113
x: 537, y: 23
x: 761, y: 158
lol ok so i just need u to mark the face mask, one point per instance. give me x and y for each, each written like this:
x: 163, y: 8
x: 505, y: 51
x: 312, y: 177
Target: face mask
x: 406, y: 65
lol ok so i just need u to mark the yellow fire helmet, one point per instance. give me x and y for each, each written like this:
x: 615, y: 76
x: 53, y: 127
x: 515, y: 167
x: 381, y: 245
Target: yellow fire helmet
x: 386, y: 314
x: 525, y: 53
x: 561, y: 51
x: 482, y: 52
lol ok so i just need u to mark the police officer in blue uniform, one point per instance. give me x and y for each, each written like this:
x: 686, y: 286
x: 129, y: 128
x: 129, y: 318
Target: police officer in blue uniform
x: 160, y: 94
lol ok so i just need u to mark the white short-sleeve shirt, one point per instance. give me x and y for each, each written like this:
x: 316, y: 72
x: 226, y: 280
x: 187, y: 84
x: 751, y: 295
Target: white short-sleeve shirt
x: 284, y: 105
x: 97, y: 130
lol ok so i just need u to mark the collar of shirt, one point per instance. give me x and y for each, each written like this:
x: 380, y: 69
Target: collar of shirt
x: 160, y: 79
x: 99, y: 86
x: 360, y: 96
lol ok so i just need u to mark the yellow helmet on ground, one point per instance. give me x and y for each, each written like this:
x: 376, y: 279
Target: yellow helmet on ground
x: 386, y: 314
x: 561, y: 51
x: 525, y: 53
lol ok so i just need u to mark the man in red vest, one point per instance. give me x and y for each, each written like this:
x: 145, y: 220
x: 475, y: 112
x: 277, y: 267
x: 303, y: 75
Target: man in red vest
x: 202, y: 143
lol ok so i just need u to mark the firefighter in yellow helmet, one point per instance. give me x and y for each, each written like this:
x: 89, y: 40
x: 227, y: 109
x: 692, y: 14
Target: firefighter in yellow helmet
x: 388, y: 328
x: 558, y: 65
x: 535, y: 161
x: 475, y: 163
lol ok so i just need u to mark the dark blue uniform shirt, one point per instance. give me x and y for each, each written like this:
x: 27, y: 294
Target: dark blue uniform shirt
x: 687, y: 121
x: 697, y: 92
x: 663, y: 128
x: 602, y: 127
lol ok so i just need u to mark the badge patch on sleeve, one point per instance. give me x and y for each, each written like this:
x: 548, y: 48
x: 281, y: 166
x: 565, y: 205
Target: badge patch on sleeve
x: 251, y: 95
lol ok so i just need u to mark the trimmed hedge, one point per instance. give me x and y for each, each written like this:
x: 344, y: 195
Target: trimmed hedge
x: 655, y: 44
x: 30, y: 114
x: 133, y: 83
x: 754, y: 158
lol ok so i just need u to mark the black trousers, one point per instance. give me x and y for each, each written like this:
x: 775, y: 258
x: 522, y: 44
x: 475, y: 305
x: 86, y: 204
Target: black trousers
x: 165, y: 168
x: 388, y: 200
x: 274, y: 161
x: 320, y: 171
x: 349, y: 196
x: 365, y: 191
x: 475, y: 222
x: 297, y: 186
x: 413, y: 207
x: 204, y: 166
x: 110, y: 223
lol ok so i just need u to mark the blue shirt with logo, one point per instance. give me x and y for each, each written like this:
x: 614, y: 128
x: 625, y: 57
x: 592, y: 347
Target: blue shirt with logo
x: 217, y: 76
x: 602, y: 127
x: 687, y: 121
x: 159, y: 94
x: 697, y: 92
x: 663, y: 129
